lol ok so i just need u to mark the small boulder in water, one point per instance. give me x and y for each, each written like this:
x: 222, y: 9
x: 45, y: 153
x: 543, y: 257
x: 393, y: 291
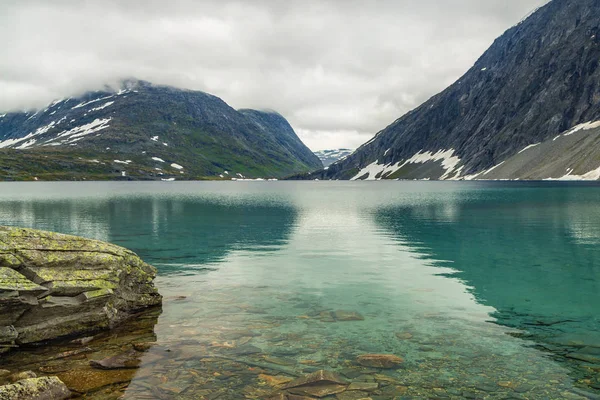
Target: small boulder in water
x: 384, y: 361
x: 318, y: 384
x: 341, y: 315
x: 131, y: 359
x: 404, y: 335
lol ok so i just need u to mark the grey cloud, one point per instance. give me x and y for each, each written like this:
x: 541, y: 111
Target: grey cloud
x: 338, y: 70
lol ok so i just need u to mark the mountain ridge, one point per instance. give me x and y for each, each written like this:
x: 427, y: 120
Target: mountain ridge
x: 526, y: 88
x: 154, y: 127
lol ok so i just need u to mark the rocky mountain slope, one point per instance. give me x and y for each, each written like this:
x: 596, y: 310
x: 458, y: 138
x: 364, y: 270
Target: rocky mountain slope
x: 145, y: 131
x: 329, y: 157
x: 541, y: 78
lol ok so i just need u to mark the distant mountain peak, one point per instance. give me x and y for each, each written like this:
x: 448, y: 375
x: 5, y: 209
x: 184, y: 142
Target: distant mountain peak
x: 332, y: 156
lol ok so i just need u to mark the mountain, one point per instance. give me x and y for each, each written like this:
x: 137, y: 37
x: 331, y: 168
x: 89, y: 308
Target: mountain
x: 539, y: 80
x: 145, y: 131
x: 328, y: 157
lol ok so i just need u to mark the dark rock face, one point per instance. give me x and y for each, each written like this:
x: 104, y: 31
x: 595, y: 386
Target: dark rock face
x: 142, y: 130
x: 54, y: 285
x: 538, y: 79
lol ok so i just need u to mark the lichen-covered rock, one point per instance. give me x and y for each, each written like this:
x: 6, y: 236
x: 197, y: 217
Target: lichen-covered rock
x: 46, y: 388
x: 54, y: 285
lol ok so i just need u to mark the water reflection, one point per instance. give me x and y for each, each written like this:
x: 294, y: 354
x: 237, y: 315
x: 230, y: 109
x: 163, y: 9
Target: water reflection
x: 176, y: 234
x: 532, y: 256
x: 264, y: 283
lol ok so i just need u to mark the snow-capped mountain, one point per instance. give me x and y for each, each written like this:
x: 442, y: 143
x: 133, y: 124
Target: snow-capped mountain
x: 145, y: 131
x: 329, y: 157
x: 527, y: 109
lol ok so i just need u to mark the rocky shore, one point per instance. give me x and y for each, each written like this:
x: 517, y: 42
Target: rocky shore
x: 54, y: 285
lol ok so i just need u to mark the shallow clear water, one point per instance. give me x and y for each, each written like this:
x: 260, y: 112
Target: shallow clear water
x: 485, y: 289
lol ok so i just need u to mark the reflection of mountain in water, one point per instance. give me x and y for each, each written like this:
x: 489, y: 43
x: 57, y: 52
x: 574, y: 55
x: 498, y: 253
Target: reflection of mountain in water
x: 532, y: 255
x: 174, y: 234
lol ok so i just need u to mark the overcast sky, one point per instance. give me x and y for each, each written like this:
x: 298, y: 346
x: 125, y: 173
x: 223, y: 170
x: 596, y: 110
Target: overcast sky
x: 338, y: 70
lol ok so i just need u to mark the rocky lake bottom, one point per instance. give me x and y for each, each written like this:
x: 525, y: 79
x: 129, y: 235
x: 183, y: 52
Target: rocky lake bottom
x: 422, y: 291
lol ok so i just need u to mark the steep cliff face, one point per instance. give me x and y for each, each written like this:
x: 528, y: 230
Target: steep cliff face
x: 539, y: 79
x: 146, y: 131
x: 54, y: 285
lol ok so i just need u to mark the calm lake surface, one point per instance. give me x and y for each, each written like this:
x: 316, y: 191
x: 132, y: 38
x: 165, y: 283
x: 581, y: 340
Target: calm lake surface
x: 487, y: 290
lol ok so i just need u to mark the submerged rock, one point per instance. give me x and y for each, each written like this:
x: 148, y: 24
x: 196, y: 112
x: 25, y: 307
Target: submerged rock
x: 130, y: 359
x: 385, y: 361
x: 404, y: 335
x: 318, y: 384
x: 342, y: 315
x: 320, y: 376
x: 54, y: 285
x: 89, y: 380
x: 46, y: 388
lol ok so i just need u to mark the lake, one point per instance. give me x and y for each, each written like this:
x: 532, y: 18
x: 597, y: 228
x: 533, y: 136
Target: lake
x: 486, y: 290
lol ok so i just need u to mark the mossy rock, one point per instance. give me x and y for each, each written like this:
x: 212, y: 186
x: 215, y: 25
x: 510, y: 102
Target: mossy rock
x: 54, y: 285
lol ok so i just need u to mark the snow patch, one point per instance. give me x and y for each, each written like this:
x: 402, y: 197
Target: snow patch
x: 26, y: 144
x: 493, y: 168
x: 91, y: 102
x: 83, y: 130
x: 168, y: 179
x: 581, y: 127
x: 593, y: 175
x: 158, y: 159
x: 154, y: 138
x: 375, y: 171
x: 102, y: 107
x: 37, y: 132
x: 529, y: 147
x: 176, y: 166
x: 448, y: 160
x: 36, y: 113
x: 127, y: 162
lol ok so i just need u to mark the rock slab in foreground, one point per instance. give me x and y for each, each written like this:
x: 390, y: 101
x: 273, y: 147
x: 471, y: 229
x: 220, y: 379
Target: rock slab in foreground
x: 54, y: 285
x: 47, y: 388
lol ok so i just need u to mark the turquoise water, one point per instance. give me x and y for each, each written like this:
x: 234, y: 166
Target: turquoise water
x: 487, y: 290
